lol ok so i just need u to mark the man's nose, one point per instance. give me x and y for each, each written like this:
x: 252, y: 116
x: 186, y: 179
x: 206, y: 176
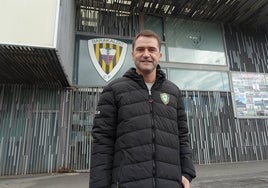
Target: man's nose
x: 146, y: 52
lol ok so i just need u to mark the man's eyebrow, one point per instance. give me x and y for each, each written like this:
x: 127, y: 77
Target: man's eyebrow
x: 146, y: 47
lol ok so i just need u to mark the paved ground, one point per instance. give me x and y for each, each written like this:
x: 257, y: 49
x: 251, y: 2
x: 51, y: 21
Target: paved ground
x: 231, y: 175
x: 235, y: 175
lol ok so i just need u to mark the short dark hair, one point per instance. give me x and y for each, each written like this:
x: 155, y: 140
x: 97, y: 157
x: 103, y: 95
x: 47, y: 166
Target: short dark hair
x: 147, y: 33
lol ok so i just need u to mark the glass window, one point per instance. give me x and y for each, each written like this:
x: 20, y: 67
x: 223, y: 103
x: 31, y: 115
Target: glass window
x: 163, y: 50
x: 108, y: 23
x: 200, y: 80
x: 155, y: 24
x: 88, y: 74
x: 194, y: 42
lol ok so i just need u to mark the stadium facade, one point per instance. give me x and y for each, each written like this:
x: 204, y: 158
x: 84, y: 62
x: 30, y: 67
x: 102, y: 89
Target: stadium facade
x: 57, y: 55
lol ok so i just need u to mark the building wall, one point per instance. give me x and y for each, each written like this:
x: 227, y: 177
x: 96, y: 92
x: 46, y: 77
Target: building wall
x: 40, y: 18
x: 247, y: 50
x: 46, y: 130
x: 217, y: 136
x: 66, y: 37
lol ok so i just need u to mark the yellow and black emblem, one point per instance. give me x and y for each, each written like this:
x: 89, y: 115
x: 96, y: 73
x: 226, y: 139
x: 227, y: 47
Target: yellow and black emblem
x: 107, y: 55
x: 165, y: 98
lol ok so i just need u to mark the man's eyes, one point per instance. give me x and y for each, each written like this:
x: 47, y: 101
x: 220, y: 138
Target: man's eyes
x: 149, y: 49
x: 152, y: 50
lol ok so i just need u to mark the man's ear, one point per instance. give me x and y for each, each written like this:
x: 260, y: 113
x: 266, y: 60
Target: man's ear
x: 160, y: 55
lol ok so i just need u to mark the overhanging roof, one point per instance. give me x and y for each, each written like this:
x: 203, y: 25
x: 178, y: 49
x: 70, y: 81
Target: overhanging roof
x: 30, y: 65
x: 248, y: 13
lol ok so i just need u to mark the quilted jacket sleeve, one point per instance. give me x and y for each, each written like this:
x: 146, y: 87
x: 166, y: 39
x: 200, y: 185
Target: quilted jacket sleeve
x: 187, y: 166
x: 103, y: 140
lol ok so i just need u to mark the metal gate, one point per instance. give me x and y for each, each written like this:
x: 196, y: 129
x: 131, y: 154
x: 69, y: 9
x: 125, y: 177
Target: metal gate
x: 45, y: 130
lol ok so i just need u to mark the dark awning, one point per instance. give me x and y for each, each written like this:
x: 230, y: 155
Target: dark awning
x: 249, y: 13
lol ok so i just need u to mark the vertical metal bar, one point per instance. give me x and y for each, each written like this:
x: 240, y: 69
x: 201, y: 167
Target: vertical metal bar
x: 18, y: 157
x: 68, y: 97
x: 1, y: 154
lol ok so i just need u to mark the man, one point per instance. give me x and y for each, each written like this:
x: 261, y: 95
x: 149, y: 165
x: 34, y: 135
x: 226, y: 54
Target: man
x: 140, y: 131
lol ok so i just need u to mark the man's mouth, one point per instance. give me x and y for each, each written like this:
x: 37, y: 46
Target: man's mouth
x: 146, y: 61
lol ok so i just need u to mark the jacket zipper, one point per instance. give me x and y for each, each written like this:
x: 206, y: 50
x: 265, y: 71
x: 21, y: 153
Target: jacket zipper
x: 153, y: 137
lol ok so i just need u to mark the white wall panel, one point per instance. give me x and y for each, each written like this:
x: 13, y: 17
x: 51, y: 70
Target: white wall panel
x: 29, y: 22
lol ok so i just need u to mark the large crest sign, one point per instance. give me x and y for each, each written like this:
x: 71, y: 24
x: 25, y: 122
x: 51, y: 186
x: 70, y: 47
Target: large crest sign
x: 107, y: 56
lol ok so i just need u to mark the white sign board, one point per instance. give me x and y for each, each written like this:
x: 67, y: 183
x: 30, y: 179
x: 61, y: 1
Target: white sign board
x: 29, y: 22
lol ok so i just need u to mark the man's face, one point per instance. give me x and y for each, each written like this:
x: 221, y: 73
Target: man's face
x: 146, y: 55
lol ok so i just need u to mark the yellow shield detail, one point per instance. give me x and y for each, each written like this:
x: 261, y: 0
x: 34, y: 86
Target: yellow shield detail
x: 165, y: 98
x: 107, y: 55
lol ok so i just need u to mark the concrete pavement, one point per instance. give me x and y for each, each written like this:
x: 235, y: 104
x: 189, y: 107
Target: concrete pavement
x: 65, y: 180
x: 227, y: 175
x: 232, y: 175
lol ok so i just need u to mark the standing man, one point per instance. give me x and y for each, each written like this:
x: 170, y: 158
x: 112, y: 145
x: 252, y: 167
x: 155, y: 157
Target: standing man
x: 140, y: 131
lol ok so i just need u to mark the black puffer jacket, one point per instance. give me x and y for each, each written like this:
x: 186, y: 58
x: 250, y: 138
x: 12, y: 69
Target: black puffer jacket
x: 140, y: 142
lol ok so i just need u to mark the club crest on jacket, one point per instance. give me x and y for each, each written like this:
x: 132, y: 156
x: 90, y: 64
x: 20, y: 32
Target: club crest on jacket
x: 107, y: 55
x: 165, y: 98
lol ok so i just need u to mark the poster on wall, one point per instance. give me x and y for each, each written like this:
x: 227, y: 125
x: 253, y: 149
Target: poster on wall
x: 250, y: 94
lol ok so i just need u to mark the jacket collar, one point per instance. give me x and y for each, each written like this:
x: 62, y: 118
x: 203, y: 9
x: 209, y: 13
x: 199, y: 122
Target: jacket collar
x: 132, y: 74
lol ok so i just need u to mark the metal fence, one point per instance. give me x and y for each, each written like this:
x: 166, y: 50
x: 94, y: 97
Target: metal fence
x: 47, y: 130
x: 217, y: 136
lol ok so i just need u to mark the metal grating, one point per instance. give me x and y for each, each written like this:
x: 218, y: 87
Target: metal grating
x: 216, y: 136
x: 249, y: 52
x: 250, y: 13
x: 46, y: 130
x: 28, y: 65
